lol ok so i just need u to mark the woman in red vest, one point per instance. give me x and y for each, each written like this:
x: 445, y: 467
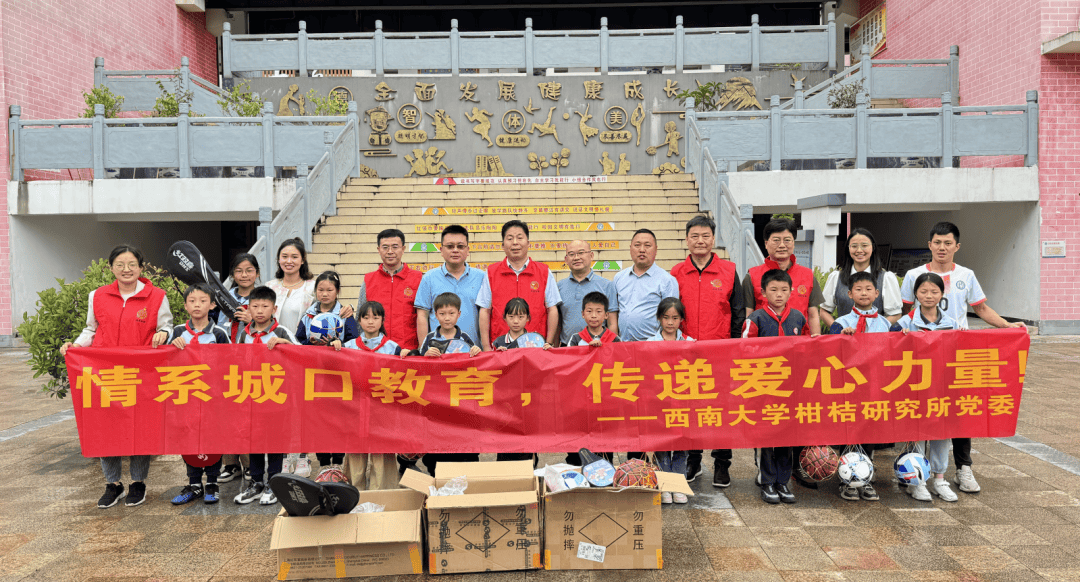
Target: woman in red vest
x: 127, y: 312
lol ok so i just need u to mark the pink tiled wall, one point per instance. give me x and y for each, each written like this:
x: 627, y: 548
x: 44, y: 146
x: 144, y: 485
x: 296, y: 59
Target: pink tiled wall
x: 47, y: 62
x: 1000, y: 59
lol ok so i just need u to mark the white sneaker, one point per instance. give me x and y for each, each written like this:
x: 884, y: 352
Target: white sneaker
x: 665, y: 498
x: 942, y: 490
x: 268, y: 497
x: 965, y: 480
x: 679, y: 498
x: 919, y: 492
x: 303, y: 467
x: 288, y: 465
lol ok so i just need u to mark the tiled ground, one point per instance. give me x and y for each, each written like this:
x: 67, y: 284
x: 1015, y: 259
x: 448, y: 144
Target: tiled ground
x: 1025, y: 525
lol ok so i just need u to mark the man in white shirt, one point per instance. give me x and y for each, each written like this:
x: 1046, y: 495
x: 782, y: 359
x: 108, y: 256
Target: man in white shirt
x: 961, y: 290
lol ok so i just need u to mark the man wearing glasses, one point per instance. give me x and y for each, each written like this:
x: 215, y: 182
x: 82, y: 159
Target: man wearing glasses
x: 394, y: 285
x: 805, y: 292
x: 581, y: 282
x: 455, y: 276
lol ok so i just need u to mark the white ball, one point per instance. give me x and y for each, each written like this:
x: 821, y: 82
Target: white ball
x: 325, y: 326
x: 855, y: 469
x: 912, y: 469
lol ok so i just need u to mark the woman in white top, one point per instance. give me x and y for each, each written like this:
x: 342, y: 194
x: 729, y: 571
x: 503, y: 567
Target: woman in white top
x: 862, y: 256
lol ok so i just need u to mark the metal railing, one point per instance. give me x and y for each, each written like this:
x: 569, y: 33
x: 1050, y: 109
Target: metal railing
x: 890, y: 79
x: 458, y: 52
x: 140, y: 88
x: 804, y: 134
x: 180, y: 142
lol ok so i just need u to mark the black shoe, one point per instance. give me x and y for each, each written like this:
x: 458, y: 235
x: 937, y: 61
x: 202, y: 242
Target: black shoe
x: 720, y: 477
x: 785, y: 494
x: 229, y: 473
x: 803, y: 482
x: 113, y: 491
x: 693, y: 469
x: 769, y: 494
x: 136, y: 494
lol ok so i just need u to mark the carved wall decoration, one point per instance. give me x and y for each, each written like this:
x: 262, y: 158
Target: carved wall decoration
x: 486, y: 167
x: 506, y: 91
x: 667, y: 168
x: 615, y: 136
x: 445, y: 128
x: 383, y: 92
x: 682, y: 163
x: 624, y: 165
x: 546, y: 128
x: 632, y: 90
x: 636, y: 119
x: 795, y: 80
x: 468, y: 91
x: 550, y: 90
x: 530, y: 109
x: 671, y: 140
x: 408, y: 115
x: 512, y: 141
x: 671, y: 88
x: 615, y: 118
x: 424, y: 91
x: 741, y: 92
x: 341, y: 94
x: 410, y: 136
x: 379, y: 120
x: 293, y: 96
x: 593, y: 88
x: 586, y: 131
x: 378, y: 153
x: 482, y: 119
x: 608, y: 164
x: 367, y: 172
x: 559, y: 160
x: 513, y: 122
x: 426, y: 163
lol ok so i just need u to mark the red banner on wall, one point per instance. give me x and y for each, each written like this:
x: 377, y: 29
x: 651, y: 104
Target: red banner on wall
x: 650, y: 396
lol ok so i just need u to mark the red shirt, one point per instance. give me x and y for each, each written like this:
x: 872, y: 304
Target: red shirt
x: 396, y: 293
x: 530, y: 285
x: 130, y: 323
x: 707, y: 297
x: 802, y: 285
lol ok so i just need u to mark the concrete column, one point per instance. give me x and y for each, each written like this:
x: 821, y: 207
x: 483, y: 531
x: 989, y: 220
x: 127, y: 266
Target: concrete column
x: 822, y: 214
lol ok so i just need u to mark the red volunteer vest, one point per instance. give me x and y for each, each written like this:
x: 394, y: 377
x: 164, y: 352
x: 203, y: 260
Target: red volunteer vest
x: 802, y: 284
x: 530, y: 285
x: 707, y: 298
x: 131, y: 324
x: 396, y: 293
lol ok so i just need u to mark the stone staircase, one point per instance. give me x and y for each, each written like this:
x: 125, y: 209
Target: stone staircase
x: 604, y: 213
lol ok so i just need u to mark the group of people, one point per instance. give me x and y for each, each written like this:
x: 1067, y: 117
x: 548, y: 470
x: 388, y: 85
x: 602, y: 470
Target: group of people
x: 517, y: 303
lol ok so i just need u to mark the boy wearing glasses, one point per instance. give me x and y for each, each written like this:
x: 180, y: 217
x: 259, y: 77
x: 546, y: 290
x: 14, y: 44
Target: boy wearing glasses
x: 394, y: 285
x: 581, y: 282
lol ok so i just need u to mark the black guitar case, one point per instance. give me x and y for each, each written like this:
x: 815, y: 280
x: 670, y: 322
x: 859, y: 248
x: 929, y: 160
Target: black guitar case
x: 186, y: 263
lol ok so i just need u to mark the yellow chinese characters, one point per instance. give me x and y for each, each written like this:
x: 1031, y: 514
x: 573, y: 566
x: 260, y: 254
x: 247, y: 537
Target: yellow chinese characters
x: 825, y: 373
x: 977, y: 369
x: 182, y: 382
x: 761, y: 377
x: 401, y: 387
x: 259, y: 385
x: 117, y: 384
x: 622, y: 382
x: 345, y: 393
x: 907, y: 365
x: 472, y: 384
x: 692, y: 381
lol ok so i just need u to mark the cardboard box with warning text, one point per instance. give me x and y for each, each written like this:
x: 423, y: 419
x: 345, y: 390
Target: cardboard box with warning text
x: 354, y: 544
x: 496, y: 525
x: 607, y: 528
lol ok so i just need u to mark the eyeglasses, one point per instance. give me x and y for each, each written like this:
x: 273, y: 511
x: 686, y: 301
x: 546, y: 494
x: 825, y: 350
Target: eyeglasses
x: 245, y: 272
x: 385, y: 248
x: 456, y: 247
x: 126, y: 266
x: 777, y: 240
x: 578, y: 254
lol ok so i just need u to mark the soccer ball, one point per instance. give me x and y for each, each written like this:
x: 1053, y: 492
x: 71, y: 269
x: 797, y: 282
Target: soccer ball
x: 856, y: 469
x: 325, y: 326
x: 818, y: 463
x: 912, y: 469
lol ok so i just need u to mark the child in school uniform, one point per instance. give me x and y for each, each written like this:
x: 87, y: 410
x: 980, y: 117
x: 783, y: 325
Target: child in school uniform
x: 516, y: 315
x: 671, y: 313
x: 198, y: 302
x: 245, y: 275
x: 447, y: 339
x: 775, y: 319
x: 863, y: 318
x: 366, y: 470
x: 263, y: 329
x: 327, y: 287
x: 594, y: 310
x: 929, y: 289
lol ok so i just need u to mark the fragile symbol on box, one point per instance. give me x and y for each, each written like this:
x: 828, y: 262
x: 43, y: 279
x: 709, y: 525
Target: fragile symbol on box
x: 591, y: 552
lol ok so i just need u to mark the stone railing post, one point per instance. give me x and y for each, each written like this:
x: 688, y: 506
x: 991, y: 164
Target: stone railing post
x: 528, y: 47
x: 331, y: 166
x: 380, y: 39
x: 954, y: 73
x: 455, y: 48
x: 266, y: 218
x: 185, y: 75
x: 226, y: 51
x: 800, y: 95
x: 301, y: 51
x: 776, y: 134
x: 680, y: 44
x: 832, y: 41
x: 303, y: 190
x: 182, y: 122
x: 862, y: 140
x: 1032, y: 157
x: 268, y: 139
x: 99, y: 71
x: 354, y: 123
x: 947, y: 147
x: 755, y: 43
x: 14, y: 131
x: 866, y: 66
x: 604, y: 35
x: 98, y: 143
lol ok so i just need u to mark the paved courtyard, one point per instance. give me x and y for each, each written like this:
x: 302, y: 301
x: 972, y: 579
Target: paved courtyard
x: 1025, y: 525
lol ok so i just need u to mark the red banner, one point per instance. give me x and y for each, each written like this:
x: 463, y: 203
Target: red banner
x: 650, y: 396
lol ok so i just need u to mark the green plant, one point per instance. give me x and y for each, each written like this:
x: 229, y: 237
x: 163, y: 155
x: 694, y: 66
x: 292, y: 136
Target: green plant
x: 102, y: 95
x: 704, y: 96
x: 240, y: 101
x: 61, y: 316
x: 168, y: 102
x: 821, y: 277
x: 844, y: 96
x: 328, y: 106
x: 784, y: 215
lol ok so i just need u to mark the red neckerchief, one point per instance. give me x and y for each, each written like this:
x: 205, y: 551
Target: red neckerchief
x: 363, y: 345
x: 779, y: 320
x: 259, y: 334
x: 194, y: 334
x: 861, y: 326
x: 605, y: 337
x: 235, y: 326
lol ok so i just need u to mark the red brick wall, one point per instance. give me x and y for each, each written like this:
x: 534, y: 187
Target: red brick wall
x: 47, y: 50
x: 1000, y: 59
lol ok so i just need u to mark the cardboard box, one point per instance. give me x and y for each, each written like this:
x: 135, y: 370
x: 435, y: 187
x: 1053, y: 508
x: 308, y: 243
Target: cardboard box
x: 354, y: 544
x: 607, y: 528
x: 496, y: 525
